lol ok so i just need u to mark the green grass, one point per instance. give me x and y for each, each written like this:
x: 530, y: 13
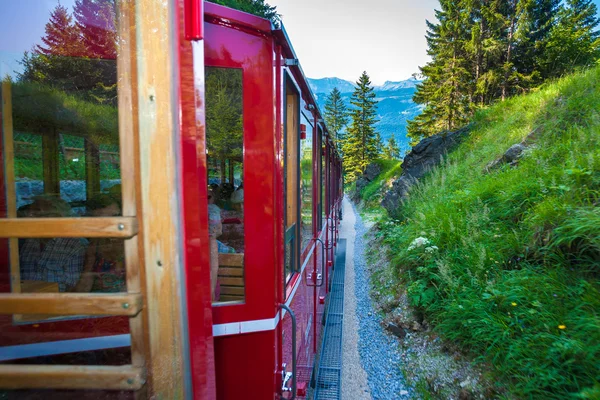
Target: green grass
x: 515, y: 278
x: 371, y: 195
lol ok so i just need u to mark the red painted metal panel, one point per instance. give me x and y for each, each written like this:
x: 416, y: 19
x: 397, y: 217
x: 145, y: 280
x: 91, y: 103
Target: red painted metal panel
x: 246, y: 361
x: 236, y: 19
x: 194, y: 19
x: 193, y: 186
x: 230, y: 48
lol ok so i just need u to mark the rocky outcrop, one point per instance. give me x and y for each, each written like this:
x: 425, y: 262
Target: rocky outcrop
x: 421, y: 159
x: 371, y: 172
x: 514, y: 153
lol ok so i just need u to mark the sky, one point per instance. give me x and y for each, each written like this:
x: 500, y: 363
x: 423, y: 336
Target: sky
x: 340, y: 38
x: 343, y: 38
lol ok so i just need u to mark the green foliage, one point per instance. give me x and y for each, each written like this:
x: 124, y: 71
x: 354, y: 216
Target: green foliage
x: 507, y: 263
x: 574, y: 41
x: 362, y: 144
x: 391, y: 151
x: 256, y: 7
x: 37, y: 107
x: 224, y: 117
x: 78, y: 55
x: 482, y: 51
x: 372, y: 193
x: 336, y: 116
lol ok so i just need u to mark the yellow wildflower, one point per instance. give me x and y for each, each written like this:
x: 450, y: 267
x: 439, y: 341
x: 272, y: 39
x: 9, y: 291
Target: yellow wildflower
x: 562, y: 327
x: 513, y: 304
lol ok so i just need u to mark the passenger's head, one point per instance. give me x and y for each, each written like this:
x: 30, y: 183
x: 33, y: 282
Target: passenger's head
x: 47, y: 207
x: 103, y: 205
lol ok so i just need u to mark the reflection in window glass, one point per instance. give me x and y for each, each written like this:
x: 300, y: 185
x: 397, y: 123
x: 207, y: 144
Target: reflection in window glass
x: 306, y: 175
x: 60, y: 79
x: 225, y: 145
x: 323, y: 179
x: 60, y: 154
x: 292, y: 184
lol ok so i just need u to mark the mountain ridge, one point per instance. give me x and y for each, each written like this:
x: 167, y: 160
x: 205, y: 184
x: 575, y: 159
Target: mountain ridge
x: 394, y: 109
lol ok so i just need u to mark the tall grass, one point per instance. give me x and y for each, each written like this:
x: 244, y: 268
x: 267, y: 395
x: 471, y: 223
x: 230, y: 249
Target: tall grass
x: 511, y: 269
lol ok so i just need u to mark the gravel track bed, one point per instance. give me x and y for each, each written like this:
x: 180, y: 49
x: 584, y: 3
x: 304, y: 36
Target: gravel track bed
x: 379, y: 352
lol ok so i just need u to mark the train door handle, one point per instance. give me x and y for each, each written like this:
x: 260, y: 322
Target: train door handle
x: 290, y: 375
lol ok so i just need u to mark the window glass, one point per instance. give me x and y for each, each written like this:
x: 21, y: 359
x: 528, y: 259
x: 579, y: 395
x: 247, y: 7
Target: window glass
x: 323, y: 178
x: 306, y: 186
x: 225, y: 149
x: 59, y: 157
x: 292, y: 184
x: 60, y: 116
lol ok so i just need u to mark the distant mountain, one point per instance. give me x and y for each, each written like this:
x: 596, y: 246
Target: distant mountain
x: 326, y: 85
x: 395, y: 107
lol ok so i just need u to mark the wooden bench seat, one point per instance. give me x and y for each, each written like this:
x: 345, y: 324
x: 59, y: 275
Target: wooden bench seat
x: 231, y: 277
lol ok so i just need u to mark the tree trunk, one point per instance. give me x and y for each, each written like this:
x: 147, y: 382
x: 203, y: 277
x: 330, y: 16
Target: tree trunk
x: 223, y: 172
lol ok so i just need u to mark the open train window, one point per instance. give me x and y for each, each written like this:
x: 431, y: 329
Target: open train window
x: 225, y: 160
x: 292, y: 179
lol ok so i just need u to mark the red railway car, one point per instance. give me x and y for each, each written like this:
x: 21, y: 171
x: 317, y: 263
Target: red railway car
x: 170, y: 204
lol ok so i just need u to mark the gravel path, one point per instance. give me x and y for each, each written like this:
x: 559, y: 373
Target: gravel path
x: 354, y: 377
x: 379, y: 355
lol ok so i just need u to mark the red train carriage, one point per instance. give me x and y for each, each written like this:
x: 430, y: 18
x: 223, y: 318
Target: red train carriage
x: 171, y: 198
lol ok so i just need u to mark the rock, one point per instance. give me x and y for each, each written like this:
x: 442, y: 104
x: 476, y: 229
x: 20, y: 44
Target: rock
x: 514, y: 152
x: 420, y: 160
x: 371, y: 172
x: 465, y: 394
x: 396, y: 330
x: 417, y: 327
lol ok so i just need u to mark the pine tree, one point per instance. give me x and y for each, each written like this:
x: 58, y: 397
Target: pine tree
x: 96, y: 19
x: 391, y: 151
x: 446, y: 91
x: 363, y: 143
x: 336, y: 116
x: 574, y: 40
x: 78, y: 56
x: 535, y: 25
x: 62, y: 35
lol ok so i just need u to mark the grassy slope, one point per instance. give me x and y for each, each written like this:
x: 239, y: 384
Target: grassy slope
x: 516, y: 279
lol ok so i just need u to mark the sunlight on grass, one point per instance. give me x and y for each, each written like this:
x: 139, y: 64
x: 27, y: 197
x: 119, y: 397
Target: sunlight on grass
x: 515, y: 279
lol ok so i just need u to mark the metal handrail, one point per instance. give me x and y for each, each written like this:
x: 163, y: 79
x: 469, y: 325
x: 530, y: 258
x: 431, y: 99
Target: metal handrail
x: 294, y: 364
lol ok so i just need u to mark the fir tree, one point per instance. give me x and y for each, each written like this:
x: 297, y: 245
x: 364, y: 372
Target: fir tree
x: 363, y: 143
x: 96, y: 19
x: 62, y: 35
x: 535, y: 25
x: 391, y: 151
x: 78, y: 56
x: 446, y: 91
x: 574, y: 40
x: 336, y: 116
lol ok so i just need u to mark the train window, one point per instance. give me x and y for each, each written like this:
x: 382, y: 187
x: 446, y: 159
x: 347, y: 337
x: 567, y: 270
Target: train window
x: 306, y: 187
x: 60, y: 142
x: 59, y: 158
x: 323, y: 178
x: 225, y: 150
x: 292, y: 184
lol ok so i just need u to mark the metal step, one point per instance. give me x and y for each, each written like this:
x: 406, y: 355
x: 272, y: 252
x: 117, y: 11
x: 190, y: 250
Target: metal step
x: 329, y: 375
